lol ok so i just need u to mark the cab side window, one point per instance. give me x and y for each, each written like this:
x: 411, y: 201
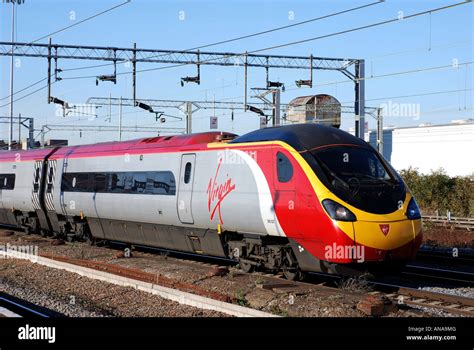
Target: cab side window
x: 187, y: 173
x: 284, y: 168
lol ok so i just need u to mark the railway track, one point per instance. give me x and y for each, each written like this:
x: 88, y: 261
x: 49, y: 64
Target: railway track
x: 453, y: 304
x: 168, y: 288
x: 446, y: 255
x: 393, y: 290
x: 399, y: 293
x: 414, y: 271
x: 140, y: 276
x: 16, y: 307
x: 450, y: 276
x: 453, y: 265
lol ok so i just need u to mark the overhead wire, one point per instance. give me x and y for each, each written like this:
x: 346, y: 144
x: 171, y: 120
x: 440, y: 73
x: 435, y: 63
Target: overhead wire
x: 250, y: 35
x: 79, y: 22
x: 191, y: 49
x: 299, y: 42
x: 293, y: 42
x: 59, y: 31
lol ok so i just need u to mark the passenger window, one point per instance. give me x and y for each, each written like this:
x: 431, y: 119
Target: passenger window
x: 284, y: 168
x: 187, y: 173
x: 7, y: 181
x: 160, y: 183
x: 139, y: 182
x: 117, y: 184
x: 82, y: 182
x: 100, y: 181
x: 128, y: 182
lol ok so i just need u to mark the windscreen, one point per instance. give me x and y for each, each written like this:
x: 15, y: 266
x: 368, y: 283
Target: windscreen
x: 361, y: 178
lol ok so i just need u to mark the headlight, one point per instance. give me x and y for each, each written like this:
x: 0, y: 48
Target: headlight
x: 337, y: 211
x: 413, y: 212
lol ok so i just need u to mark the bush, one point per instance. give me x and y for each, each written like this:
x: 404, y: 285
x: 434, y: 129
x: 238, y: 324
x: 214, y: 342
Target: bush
x: 437, y: 192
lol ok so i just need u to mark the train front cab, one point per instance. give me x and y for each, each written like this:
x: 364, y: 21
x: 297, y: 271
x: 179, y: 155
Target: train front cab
x: 381, y: 241
x: 367, y: 218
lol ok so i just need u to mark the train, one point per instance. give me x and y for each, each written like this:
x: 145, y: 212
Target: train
x: 293, y: 199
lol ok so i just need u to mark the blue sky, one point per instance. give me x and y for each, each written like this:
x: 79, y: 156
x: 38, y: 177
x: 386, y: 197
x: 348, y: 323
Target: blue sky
x: 426, y: 41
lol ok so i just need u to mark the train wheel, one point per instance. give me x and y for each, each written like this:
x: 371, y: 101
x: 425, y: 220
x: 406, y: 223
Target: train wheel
x: 35, y: 227
x: 245, y: 266
x: 293, y: 274
x: 85, y: 235
x: 290, y: 268
x: 90, y: 240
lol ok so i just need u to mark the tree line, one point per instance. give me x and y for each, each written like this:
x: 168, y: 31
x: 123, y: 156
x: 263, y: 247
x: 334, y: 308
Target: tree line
x: 436, y: 193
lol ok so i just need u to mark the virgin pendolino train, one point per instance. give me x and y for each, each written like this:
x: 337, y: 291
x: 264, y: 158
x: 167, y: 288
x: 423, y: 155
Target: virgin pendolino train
x: 293, y: 198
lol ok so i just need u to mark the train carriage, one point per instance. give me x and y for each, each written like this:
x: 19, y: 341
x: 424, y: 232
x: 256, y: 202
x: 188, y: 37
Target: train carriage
x: 294, y: 198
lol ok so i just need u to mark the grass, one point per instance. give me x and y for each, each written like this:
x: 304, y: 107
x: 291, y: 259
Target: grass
x: 358, y: 284
x: 259, y: 281
x: 276, y: 310
x: 240, y: 298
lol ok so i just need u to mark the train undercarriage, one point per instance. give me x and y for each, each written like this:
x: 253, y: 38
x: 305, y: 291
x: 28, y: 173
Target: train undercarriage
x: 273, y: 254
x: 251, y: 251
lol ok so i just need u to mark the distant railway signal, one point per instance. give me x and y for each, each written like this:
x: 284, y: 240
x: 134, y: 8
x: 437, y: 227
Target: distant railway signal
x: 255, y: 110
x: 275, y: 84
x: 213, y: 123
x: 111, y: 78
x: 302, y: 82
x: 196, y: 79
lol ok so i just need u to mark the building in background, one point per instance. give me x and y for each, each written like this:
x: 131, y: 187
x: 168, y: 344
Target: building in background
x: 323, y: 109
x: 430, y: 147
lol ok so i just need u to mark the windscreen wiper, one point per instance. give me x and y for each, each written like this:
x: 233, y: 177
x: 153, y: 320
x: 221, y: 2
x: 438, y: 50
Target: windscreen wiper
x: 387, y: 182
x: 345, y: 184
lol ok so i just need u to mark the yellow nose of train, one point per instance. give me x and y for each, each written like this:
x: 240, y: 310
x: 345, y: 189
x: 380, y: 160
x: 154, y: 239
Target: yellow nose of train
x: 385, y: 236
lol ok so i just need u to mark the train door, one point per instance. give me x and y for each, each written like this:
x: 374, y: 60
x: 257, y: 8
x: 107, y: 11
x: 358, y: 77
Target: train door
x: 51, y: 173
x: 62, y: 168
x: 35, y: 196
x: 49, y: 196
x: 2, y: 209
x: 185, y: 188
x: 284, y: 182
